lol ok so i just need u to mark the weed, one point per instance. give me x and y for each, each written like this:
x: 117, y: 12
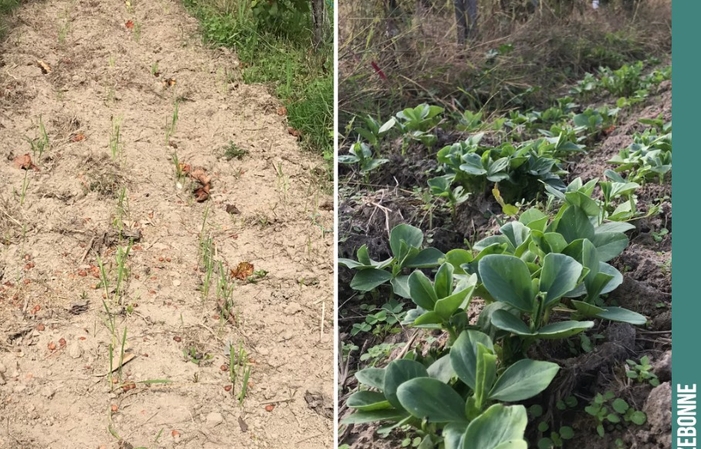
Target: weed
x: 192, y: 354
x: 25, y: 185
x: 612, y: 413
x: 41, y: 143
x: 122, y: 212
x: 232, y: 151
x: 116, y: 146
x: 172, y: 122
x: 137, y: 31
x: 642, y: 372
x: 239, y: 370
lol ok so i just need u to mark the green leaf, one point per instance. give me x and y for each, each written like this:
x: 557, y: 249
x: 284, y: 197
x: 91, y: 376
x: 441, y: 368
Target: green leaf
x: 458, y: 257
x: 620, y: 406
x: 523, y: 380
x: 566, y: 432
x: 426, y: 258
x: 516, y: 232
x: 443, y: 281
x: 429, y: 317
x: 400, y: 286
x: 368, y: 401
x: 421, y: 290
x: 360, y: 417
x: 485, y: 375
x: 623, y: 315
x: 563, y: 329
x: 369, y: 279
x: 452, y: 435
x: 513, y: 444
x: 609, y: 244
x: 463, y: 355
x: 442, y: 369
x: 350, y: 263
x: 497, y: 426
x: 396, y: 373
x: 638, y: 417
x: 586, y: 309
x: 430, y: 398
x: 506, y: 321
x: 412, y: 236
x: 446, y: 307
x: 372, y: 377
x: 533, y: 215
x: 588, y: 205
x: 507, y: 279
x: 574, y: 224
x: 559, y: 275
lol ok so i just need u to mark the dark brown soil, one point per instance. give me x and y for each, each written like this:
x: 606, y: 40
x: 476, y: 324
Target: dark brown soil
x: 368, y: 212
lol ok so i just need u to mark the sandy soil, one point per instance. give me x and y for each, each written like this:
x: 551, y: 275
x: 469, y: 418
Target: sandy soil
x: 105, y: 65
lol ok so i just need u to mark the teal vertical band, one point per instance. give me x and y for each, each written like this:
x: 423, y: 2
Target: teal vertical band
x: 686, y: 305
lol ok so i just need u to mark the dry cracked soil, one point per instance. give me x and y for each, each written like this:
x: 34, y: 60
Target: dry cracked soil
x: 129, y: 309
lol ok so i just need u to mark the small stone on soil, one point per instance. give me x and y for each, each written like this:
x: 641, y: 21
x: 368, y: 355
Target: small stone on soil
x: 214, y: 419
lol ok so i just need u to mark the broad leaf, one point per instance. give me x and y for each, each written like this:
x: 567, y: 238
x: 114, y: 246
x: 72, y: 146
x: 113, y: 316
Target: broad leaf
x: 396, y: 373
x: 463, y: 355
x: 458, y: 257
x: 507, y: 279
x: 432, y: 399
x: 523, y: 380
x: 559, y: 275
x: 372, y: 377
x: 421, y: 290
x: 446, y: 307
x: 368, y: 401
x: 499, y: 424
x: 443, y: 281
x: 623, y: 315
x: 407, y: 233
x: 574, y: 224
x: 563, y: 329
x: 609, y: 244
x: 360, y: 417
x: 369, y: 279
x: 442, y: 369
x: 452, y: 435
x: 506, y: 321
x: 426, y: 258
x: 485, y: 375
x: 400, y: 286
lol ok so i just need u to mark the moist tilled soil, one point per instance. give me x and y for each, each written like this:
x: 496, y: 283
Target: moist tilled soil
x: 114, y: 125
x: 368, y: 211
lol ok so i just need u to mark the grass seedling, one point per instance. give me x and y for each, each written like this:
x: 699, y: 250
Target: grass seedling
x: 179, y: 174
x: 23, y: 193
x: 232, y: 151
x: 122, y: 270
x: 122, y: 209
x: 137, y: 31
x: 154, y: 69
x: 238, y: 366
x: 115, y: 145
x: 41, y: 143
x: 225, y: 289
x: 207, y: 250
x: 172, y: 122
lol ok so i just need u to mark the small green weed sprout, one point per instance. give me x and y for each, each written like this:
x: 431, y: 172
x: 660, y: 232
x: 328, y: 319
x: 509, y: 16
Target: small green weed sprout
x: 641, y: 372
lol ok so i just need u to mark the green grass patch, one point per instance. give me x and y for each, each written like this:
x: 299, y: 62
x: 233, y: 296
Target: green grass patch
x: 279, y: 53
x: 6, y: 7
